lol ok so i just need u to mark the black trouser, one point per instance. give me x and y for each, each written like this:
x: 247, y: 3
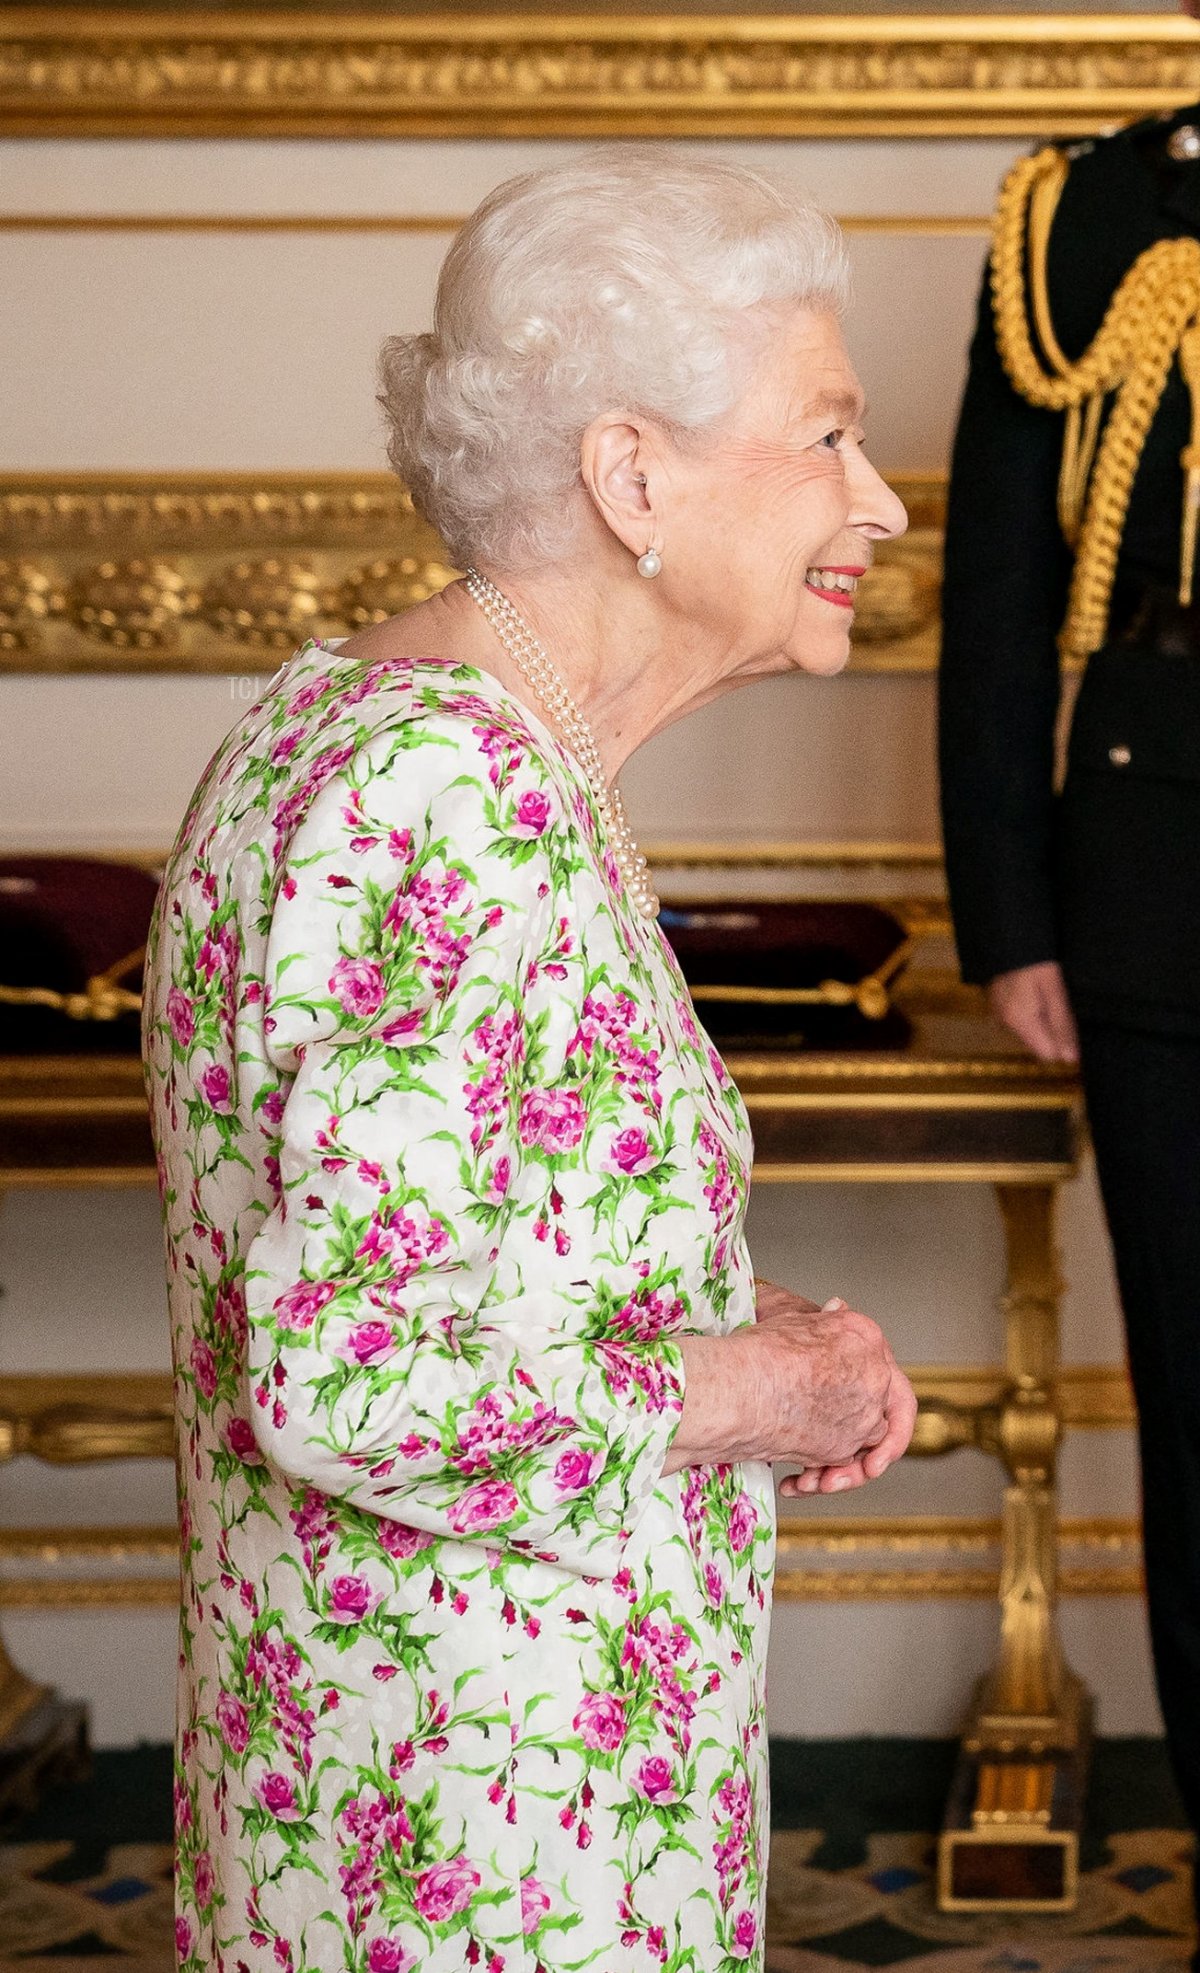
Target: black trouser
x: 1143, y: 1094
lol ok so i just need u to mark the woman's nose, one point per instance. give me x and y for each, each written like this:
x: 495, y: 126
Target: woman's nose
x: 875, y: 510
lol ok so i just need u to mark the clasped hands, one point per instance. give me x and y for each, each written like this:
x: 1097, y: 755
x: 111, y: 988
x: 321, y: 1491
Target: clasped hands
x: 813, y: 1388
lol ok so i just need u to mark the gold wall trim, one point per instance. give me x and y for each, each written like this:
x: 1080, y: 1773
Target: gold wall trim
x: 789, y: 855
x: 914, y: 1174
x: 87, y: 72
x: 791, y: 1586
x: 905, y: 225
x: 89, y: 1592
x: 156, y: 1542
x: 1104, y: 1560
x: 226, y: 222
x: 227, y: 573
x: 940, y: 1585
x: 940, y: 1534
x: 896, y: 1559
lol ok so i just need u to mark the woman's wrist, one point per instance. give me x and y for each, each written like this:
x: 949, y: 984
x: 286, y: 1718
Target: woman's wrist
x: 721, y: 1404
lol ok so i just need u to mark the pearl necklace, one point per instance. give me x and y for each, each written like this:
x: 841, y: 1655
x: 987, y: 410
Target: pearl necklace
x: 533, y: 663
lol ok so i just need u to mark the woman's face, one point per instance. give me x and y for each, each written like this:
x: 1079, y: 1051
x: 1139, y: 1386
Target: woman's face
x: 772, y: 528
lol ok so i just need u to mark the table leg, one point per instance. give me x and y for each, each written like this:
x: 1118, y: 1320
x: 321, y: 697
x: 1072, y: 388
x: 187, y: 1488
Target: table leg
x: 42, y: 1737
x: 1011, y: 1838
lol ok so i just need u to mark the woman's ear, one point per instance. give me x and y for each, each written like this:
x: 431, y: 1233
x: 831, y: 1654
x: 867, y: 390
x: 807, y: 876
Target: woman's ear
x: 616, y: 462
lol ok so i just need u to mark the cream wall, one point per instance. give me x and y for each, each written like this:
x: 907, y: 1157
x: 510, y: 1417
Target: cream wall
x: 224, y: 350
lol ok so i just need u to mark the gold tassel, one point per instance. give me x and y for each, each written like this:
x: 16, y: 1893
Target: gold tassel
x: 1078, y: 455
x: 1189, y: 363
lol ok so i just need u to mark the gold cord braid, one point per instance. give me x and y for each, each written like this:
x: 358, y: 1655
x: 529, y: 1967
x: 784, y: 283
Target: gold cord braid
x: 103, y: 997
x: 1153, y: 317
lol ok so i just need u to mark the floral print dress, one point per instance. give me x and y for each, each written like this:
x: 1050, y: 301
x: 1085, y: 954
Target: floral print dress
x: 447, y: 1170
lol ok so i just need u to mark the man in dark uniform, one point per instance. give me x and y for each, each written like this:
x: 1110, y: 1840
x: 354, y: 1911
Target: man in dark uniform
x: 1080, y: 911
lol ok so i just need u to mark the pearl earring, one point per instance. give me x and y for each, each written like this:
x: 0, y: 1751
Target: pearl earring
x: 650, y: 563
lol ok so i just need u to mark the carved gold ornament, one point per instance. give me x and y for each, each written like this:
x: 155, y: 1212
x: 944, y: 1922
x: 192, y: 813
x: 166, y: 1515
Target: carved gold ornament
x: 263, y: 606
x: 76, y: 72
x: 26, y: 599
x: 130, y: 606
x: 200, y: 572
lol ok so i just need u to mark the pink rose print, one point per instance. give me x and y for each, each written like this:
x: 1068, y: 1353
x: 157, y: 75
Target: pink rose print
x: 204, y: 1880
x: 300, y: 1306
x: 532, y: 814
x: 240, y: 1439
x: 181, y: 1017
x: 204, y: 1369
x: 272, y: 1109
x: 742, y: 1522
x: 576, y: 1470
x: 368, y: 1342
x: 553, y: 1120
x: 234, y: 1722
x: 278, y: 1797
x: 630, y: 1153
x: 714, y: 1585
x: 745, y: 1932
x: 309, y: 694
x: 216, y: 1089
x: 388, y: 1956
x: 351, y: 1598
x: 358, y: 984
x: 183, y: 1938
x: 444, y: 1890
x: 535, y: 1903
x: 400, y: 1542
x: 600, y: 1721
x: 483, y: 1507
x: 655, y: 1780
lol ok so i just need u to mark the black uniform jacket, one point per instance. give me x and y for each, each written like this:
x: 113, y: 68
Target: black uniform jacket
x: 1105, y: 877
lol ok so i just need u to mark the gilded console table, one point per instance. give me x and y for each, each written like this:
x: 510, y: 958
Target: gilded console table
x: 959, y: 1106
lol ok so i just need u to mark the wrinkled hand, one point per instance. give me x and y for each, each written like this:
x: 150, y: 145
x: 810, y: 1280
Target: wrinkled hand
x: 1032, y: 1002
x: 832, y: 1399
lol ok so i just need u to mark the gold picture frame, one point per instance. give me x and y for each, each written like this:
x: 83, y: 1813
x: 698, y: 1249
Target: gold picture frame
x: 413, y: 72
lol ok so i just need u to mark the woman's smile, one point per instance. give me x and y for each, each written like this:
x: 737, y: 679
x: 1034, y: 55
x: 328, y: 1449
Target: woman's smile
x: 837, y: 586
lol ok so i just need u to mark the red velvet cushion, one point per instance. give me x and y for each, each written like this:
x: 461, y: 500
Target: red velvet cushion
x: 63, y: 920
x: 784, y: 944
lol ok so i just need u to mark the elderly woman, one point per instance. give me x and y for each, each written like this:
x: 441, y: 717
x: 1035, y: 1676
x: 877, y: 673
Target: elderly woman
x: 475, y: 1416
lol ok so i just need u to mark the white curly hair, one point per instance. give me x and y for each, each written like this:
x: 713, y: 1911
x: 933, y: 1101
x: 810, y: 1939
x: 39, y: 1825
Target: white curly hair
x: 635, y: 278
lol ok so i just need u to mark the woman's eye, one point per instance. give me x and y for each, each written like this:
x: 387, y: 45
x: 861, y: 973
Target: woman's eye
x: 833, y: 439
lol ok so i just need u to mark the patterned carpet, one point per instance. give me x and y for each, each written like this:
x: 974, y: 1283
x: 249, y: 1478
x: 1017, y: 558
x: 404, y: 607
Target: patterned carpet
x: 85, y: 1886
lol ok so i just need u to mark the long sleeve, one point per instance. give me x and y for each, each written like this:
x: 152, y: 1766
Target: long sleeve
x: 1006, y: 582
x: 427, y: 1111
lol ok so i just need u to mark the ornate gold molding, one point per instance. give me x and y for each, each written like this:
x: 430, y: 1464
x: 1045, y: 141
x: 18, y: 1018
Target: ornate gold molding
x: 87, y: 72
x: 228, y: 573
x: 822, y: 1559
x: 1098, y: 1556
x: 958, y: 226
x: 940, y: 1585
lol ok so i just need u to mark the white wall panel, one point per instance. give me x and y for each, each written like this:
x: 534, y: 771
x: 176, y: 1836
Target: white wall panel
x: 233, y: 349
x: 212, y: 350
x: 450, y: 176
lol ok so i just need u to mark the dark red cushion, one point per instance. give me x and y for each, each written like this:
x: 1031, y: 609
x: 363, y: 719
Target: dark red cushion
x: 63, y: 920
x: 786, y: 944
